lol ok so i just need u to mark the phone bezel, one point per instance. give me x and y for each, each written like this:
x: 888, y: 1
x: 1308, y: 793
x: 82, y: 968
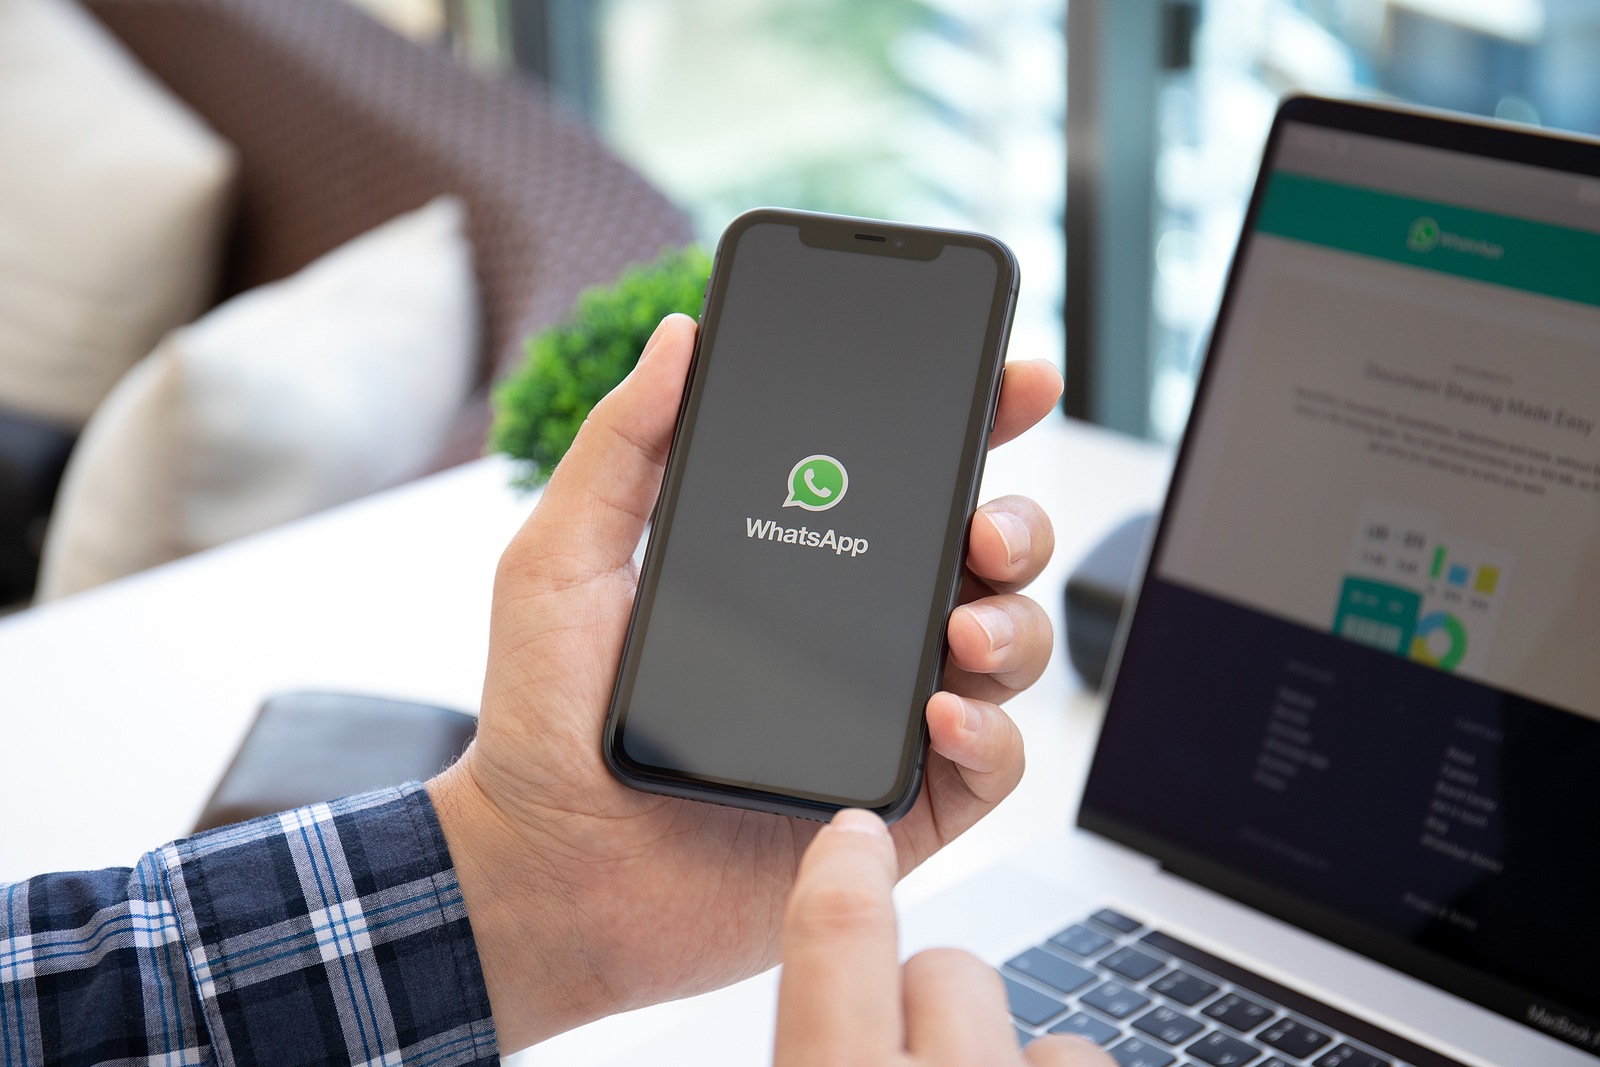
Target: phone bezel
x: 837, y: 232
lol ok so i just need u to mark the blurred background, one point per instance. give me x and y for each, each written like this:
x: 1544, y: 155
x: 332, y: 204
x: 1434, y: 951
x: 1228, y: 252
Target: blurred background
x: 1112, y: 143
x: 290, y: 153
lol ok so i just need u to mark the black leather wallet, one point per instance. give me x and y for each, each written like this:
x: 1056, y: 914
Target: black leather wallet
x: 306, y: 747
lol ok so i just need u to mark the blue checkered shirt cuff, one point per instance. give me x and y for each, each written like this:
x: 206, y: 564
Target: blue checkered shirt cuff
x: 334, y: 933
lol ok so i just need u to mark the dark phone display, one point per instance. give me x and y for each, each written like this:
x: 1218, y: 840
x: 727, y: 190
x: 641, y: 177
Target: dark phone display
x: 779, y: 647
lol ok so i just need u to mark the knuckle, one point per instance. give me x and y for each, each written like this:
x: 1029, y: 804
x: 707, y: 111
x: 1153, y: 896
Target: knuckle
x: 510, y: 566
x: 838, y: 910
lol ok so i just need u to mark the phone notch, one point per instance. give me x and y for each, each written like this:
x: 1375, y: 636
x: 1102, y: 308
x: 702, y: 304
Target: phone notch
x: 883, y: 239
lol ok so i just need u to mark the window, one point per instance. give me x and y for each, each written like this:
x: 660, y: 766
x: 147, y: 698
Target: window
x: 942, y: 113
x: 1521, y: 60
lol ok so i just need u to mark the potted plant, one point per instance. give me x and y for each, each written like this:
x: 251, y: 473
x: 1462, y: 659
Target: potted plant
x: 539, y: 408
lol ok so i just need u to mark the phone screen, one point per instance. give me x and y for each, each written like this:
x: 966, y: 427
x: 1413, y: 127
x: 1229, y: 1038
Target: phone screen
x: 791, y: 609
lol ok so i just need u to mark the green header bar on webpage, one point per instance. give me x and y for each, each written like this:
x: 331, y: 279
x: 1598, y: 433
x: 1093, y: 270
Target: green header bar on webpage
x: 1518, y: 253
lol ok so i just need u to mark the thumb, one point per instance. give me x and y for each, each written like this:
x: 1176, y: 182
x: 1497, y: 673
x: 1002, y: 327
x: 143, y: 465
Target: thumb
x: 600, y: 495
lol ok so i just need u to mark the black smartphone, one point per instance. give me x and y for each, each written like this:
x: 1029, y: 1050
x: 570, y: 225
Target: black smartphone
x: 807, y: 547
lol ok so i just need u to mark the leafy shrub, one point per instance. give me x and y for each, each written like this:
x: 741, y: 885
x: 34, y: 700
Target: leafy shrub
x: 539, y: 408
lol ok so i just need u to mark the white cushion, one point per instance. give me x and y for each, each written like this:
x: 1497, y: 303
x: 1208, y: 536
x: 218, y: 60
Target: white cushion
x: 293, y: 397
x: 113, y: 201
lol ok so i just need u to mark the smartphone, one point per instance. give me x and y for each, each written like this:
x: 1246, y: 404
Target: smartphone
x: 806, y: 550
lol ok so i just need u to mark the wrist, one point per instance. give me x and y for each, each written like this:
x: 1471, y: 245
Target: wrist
x: 536, y: 967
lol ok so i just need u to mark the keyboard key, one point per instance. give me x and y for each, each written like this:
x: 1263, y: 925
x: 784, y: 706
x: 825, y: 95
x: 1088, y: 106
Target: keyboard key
x: 1085, y: 1025
x: 1116, y: 920
x: 1079, y: 940
x: 1221, y: 1050
x: 1115, y: 999
x: 1138, y: 1053
x: 1168, y: 1026
x: 1296, y: 1038
x: 1183, y: 987
x: 1348, y: 1056
x: 1131, y: 964
x: 1023, y: 1037
x: 1051, y: 969
x: 1235, y: 1011
x: 1030, y: 1005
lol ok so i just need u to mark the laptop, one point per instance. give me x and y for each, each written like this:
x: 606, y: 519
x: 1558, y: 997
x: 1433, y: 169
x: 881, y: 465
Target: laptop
x: 1344, y: 810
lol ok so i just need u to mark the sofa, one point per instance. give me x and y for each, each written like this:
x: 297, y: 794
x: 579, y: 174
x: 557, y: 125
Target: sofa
x: 340, y: 124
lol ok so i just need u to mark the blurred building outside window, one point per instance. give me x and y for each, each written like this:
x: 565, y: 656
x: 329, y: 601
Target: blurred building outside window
x: 936, y: 112
x: 420, y: 20
x: 1534, y: 61
x: 952, y: 113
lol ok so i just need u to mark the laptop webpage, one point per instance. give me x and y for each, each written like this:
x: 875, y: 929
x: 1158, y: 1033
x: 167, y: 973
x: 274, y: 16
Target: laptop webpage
x: 1361, y: 686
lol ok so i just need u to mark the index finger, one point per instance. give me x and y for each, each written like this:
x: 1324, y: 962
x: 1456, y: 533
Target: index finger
x: 839, y: 997
x: 1028, y: 391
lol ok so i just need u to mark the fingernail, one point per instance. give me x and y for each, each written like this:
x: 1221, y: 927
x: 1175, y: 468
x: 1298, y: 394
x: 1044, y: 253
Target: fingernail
x: 996, y: 625
x: 971, y: 717
x: 856, y: 821
x: 650, y: 345
x: 1013, y: 534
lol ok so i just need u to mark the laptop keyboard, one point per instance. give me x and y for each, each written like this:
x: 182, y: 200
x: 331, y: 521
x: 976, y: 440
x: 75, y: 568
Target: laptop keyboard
x: 1151, y: 1000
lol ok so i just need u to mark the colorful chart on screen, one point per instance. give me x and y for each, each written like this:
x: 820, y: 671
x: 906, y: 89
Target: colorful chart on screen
x: 1416, y: 590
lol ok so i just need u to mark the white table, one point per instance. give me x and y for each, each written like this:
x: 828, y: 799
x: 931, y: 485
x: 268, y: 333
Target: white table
x: 120, y: 707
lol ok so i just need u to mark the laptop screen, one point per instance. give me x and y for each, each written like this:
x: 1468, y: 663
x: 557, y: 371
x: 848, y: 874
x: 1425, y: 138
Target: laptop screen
x: 1361, y: 687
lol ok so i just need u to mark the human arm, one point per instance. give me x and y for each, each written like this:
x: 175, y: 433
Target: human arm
x: 331, y: 933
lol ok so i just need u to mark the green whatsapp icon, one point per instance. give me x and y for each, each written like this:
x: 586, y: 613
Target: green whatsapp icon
x: 817, y: 483
x: 1424, y: 235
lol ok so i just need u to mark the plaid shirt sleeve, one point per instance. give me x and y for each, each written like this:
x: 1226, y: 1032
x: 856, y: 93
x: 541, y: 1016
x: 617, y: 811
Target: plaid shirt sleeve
x: 333, y: 933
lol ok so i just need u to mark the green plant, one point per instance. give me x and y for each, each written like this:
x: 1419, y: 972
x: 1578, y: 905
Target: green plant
x: 539, y: 408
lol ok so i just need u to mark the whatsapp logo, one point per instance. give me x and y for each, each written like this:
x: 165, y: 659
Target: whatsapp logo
x: 817, y: 483
x: 1424, y: 235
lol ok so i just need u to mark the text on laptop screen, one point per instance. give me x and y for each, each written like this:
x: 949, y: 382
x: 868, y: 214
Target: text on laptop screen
x: 1364, y: 676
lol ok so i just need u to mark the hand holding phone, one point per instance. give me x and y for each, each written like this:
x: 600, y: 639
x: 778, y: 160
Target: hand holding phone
x: 587, y: 897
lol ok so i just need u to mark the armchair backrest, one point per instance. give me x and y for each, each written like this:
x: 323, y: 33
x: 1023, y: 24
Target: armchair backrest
x: 341, y: 124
